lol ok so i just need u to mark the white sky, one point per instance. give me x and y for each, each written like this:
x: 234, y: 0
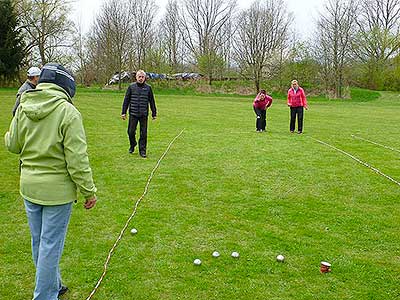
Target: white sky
x: 305, y: 12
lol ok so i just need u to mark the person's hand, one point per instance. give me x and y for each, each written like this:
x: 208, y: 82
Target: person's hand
x: 91, y: 202
x: 123, y: 117
x: 306, y: 107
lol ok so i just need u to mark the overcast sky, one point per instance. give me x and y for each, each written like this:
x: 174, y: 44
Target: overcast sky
x: 305, y: 12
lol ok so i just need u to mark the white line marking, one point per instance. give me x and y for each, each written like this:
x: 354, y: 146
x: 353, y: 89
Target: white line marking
x: 359, y: 161
x: 375, y: 143
x: 129, y: 219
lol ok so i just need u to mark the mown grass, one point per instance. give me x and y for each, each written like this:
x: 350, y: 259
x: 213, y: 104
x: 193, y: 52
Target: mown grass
x: 225, y: 187
x: 233, y: 89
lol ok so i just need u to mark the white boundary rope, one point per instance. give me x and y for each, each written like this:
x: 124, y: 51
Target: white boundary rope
x: 130, y: 218
x: 359, y: 161
x: 375, y: 143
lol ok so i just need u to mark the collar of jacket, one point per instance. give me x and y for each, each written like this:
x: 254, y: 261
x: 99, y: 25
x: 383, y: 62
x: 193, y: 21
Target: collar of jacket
x: 31, y: 84
x: 55, y: 88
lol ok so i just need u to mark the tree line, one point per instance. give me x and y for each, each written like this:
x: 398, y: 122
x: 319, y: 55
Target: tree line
x: 355, y: 43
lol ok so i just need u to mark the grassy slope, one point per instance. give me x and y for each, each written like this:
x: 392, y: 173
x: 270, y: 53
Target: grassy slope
x: 224, y: 187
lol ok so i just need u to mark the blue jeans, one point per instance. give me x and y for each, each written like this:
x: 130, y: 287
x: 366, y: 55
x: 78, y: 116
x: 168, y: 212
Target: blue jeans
x: 48, y: 225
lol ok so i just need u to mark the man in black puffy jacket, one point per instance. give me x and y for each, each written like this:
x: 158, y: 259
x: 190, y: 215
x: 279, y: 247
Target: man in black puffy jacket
x: 138, y: 97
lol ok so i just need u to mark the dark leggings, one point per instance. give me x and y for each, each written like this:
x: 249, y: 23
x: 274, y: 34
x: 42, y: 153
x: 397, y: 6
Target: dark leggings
x: 299, y: 112
x: 261, y: 120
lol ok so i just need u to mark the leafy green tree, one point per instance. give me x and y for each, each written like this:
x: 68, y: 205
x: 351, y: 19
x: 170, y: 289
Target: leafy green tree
x: 211, y: 64
x: 391, y: 74
x: 301, y: 65
x: 11, y: 45
x: 378, y: 39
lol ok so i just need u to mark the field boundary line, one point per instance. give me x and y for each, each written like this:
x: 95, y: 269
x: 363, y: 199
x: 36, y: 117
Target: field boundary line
x: 375, y: 143
x: 359, y: 161
x: 111, y: 252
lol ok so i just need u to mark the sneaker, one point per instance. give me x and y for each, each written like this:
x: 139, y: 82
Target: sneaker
x: 142, y: 154
x: 131, y: 149
x: 291, y: 131
x: 299, y: 132
x: 62, y: 291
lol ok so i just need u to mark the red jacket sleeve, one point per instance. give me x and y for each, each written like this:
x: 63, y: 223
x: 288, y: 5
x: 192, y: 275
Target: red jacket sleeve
x: 269, y: 98
x: 303, y: 98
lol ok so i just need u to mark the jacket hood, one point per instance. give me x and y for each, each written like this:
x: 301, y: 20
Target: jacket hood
x: 37, y: 104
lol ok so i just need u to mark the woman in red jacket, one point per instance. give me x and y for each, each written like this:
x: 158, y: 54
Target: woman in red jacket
x: 260, y: 105
x: 296, y: 100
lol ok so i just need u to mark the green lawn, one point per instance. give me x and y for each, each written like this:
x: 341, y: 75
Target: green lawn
x: 224, y: 187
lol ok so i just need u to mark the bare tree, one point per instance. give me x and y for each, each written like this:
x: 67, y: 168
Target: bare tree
x: 46, y: 26
x: 203, y: 26
x: 335, y: 32
x: 80, y: 53
x: 226, y: 36
x: 171, y: 35
x: 142, y: 33
x: 261, y: 33
x: 110, y: 35
x: 378, y: 37
x: 97, y: 66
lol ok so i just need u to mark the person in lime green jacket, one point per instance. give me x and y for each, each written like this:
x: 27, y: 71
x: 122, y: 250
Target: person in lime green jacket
x: 48, y: 134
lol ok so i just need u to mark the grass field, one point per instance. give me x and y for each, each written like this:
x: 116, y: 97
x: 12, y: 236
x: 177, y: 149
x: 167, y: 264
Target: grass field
x: 224, y: 187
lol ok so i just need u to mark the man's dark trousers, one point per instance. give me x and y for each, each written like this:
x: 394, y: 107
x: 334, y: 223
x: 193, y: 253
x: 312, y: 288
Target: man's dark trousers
x: 299, y: 112
x: 133, y: 121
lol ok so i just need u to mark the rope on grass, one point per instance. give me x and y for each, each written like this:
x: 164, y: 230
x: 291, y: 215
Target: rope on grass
x: 130, y: 218
x: 375, y: 143
x: 359, y: 161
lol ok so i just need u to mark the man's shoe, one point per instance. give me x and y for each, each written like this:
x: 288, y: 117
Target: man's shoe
x: 299, y: 132
x: 131, y: 149
x: 62, y: 291
x: 143, y: 154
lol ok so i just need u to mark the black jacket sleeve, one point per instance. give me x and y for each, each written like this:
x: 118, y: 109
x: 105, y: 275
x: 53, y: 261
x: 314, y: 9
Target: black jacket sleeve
x: 152, y: 104
x: 127, y: 100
